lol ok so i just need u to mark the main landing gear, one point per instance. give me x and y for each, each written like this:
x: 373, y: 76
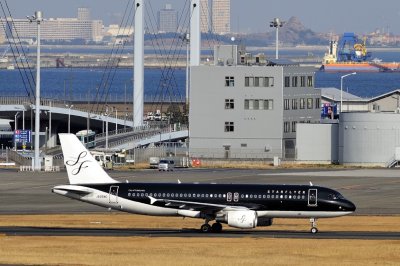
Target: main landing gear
x: 215, y: 228
x: 314, y: 228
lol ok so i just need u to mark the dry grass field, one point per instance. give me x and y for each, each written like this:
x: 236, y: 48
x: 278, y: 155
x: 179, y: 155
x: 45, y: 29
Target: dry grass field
x: 195, y: 251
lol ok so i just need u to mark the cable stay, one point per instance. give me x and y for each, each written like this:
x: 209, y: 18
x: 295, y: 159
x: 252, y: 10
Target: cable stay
x: 17, y: 51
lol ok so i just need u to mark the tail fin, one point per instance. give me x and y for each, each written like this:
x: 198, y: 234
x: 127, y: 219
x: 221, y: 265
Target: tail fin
x: 82, y: 168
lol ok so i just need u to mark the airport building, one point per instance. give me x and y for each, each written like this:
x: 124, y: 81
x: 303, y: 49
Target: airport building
x: 248, y: 107
x: 167, y: 19
x: 366, y: 133
x: 58, y: 29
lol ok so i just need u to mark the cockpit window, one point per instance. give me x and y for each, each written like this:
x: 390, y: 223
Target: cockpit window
x: 335, y: 196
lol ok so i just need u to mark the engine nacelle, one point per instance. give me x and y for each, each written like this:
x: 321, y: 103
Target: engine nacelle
x: 242, y: 219
x: 263, y: 221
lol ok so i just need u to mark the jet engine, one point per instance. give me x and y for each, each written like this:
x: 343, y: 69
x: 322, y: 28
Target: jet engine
x: 239, y: 219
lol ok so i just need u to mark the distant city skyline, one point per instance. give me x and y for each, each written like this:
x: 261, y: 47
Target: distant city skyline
x: 246, y: 16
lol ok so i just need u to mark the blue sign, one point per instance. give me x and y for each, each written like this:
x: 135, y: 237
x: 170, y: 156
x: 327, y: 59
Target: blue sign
x: 329, y: 111
x: 23, y: 136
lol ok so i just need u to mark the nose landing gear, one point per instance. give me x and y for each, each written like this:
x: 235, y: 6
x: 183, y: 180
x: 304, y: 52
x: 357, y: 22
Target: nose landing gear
x: 314, y: 228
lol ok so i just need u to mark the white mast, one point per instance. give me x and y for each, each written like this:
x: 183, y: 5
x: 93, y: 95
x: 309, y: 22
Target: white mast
x: 195, y: 36
x: 138, y: 66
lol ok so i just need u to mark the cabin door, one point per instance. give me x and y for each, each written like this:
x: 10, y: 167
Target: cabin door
x: 113, y: 196
x: 312, y: 197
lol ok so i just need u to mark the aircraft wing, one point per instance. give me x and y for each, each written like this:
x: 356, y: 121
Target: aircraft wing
x: 201, y: 206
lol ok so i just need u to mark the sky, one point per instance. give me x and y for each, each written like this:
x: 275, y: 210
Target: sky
x: 246, y: 15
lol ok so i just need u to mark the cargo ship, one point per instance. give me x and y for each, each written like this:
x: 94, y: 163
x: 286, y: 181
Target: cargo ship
x: 351, y: 55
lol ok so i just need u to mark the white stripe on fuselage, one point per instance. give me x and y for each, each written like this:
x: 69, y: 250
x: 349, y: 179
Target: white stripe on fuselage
x: 102, y: 198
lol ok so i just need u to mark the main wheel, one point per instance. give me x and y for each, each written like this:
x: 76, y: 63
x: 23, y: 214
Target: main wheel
x: 216, y: 227
x: 314, y: 230
x: 205, y: 228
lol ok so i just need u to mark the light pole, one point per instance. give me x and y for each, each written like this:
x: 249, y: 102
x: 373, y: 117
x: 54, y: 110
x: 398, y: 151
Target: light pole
x: 69, y: 116
x: 116, y: 116
x: 23, y: 118
x: 341, y: 89
x: 106, y: 114
x: 38, y: 19
x: 50, y: 124
x: 276, y: 23
x: 15, y: 130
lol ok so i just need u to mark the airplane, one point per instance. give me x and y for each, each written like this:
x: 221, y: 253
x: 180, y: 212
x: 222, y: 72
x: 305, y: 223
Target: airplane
x: 243, y: 206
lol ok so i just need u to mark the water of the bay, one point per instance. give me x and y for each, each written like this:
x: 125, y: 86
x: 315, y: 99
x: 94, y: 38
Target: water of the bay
x: 78, y: 83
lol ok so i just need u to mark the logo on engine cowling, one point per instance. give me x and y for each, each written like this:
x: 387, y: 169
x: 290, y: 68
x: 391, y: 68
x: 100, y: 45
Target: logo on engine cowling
x: 78, y: 163
x: 242, y: 219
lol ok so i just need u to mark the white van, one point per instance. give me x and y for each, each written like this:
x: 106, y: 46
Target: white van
x: 166, y: 165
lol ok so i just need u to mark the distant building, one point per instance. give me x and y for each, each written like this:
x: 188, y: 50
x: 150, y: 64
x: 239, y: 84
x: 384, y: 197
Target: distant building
x: 205, y: 16
x: 167, y: 19
x: 83, y: 13
x: 221, y: 16
x: 59, y: 29
x: 249, y: 109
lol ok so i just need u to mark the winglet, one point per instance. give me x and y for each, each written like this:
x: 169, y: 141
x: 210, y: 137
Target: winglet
x: 179, y: 181
x: 152, y: 200
x: 311, y: 184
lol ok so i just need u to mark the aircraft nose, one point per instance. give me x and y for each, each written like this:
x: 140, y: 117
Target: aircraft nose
x: 349, y: 206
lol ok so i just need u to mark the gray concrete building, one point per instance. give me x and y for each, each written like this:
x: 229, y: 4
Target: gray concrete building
x: 249, y: 110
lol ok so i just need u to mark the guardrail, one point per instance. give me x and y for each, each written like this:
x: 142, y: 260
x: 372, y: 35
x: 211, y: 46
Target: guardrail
x: 46, y: 102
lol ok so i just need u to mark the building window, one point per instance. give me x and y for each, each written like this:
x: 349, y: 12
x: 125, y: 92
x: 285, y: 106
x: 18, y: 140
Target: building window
x: 251, y: 104
x: 294, y: 81
x: 229, y: 127
x: 294, y: 104
x: 270, y: 104
x: 229, y: 103
x: 302, y: 81
x: 302, y: 103
x: 246, y: 81
x: 249, y: 81
x: 317, y: 103
x: 268, y: 81
x: 309, y: 103
x: 287, y: 82
x: 294, y: 126
x: 261, y: 104
x: 286, y: 104
x: 286, y: 127
x: 258, y: 104
x: 246, y: 104
x: 229, y: 81
x: 310, y: 82
x: 257, y: 82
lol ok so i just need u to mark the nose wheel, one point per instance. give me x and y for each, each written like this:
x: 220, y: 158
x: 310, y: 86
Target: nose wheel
x: 314, y: 228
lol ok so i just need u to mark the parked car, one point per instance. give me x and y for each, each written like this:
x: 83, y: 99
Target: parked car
x: 166, y: 165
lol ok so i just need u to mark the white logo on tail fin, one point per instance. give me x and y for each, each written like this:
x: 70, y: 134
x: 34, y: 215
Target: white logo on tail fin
x: 82, y: 168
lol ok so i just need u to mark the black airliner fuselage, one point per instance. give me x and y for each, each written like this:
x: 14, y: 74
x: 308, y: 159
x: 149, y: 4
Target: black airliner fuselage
x: 238, y: 205
x: 256, y: 204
